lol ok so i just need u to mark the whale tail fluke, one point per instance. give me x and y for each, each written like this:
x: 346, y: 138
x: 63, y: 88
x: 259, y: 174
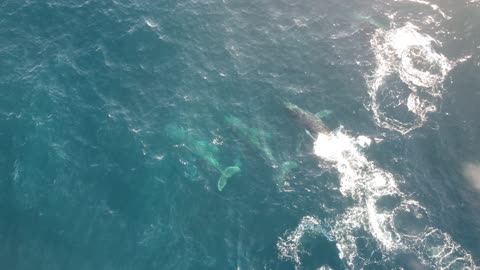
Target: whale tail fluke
x: 227, y: 173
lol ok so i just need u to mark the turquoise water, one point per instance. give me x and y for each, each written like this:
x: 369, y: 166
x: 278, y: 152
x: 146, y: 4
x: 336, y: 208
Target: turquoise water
x: 119, y: 118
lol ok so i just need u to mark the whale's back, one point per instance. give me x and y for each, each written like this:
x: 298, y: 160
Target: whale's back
x: 311, y: 122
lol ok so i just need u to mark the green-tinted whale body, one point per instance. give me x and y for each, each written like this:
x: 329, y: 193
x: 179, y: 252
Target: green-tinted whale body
x: 226, y: 174
x: 204, y: 150
x: 255, y: 137
x: 258, y: 139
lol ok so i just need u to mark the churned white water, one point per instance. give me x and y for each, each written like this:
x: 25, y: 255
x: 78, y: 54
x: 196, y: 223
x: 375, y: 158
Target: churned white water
x: 403, y: 225
x: 407, y: 82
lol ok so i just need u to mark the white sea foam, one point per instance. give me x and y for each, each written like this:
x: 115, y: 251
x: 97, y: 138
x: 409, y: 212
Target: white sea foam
x: 403, y: 225
x: 407, y: 82
x: 358, y: 175
x: 433, y: 6
x: 380, y: 209
x: 289, y: 245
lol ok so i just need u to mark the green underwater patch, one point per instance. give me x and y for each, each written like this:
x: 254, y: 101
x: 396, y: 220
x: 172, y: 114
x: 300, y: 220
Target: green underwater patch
x: 203, y: 149
x: 259, y: 140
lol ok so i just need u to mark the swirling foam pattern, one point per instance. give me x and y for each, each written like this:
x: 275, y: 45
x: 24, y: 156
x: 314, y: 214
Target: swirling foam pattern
x: 407, y: 82
x: 289, y: 245
x: 396, y: 223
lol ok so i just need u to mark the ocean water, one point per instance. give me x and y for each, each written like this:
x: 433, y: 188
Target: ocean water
x: 140, y: 134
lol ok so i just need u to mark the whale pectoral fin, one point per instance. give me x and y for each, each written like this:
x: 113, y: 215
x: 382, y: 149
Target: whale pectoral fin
x: 226, y: 174
x: 323, y: 114
x: 309, y: 134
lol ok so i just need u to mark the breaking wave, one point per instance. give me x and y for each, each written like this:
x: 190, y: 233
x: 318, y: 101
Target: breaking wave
x: 407, y: 82
x: 382, y: 221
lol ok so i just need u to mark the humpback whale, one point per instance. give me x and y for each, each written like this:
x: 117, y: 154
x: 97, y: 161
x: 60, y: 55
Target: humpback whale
x: 314, y: 125
x: 255, y: 137
x: 259, y: 140
x: 203, y: 149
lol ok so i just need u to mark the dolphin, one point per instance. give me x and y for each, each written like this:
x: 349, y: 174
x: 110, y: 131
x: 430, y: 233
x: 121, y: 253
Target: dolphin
x: 314, y: 125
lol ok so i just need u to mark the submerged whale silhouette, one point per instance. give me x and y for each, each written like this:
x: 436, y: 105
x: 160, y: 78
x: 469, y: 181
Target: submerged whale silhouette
x: 258, y: 139
x: 204, y: 149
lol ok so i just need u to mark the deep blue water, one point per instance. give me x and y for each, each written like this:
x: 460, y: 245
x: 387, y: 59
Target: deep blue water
x: 114, y: 132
